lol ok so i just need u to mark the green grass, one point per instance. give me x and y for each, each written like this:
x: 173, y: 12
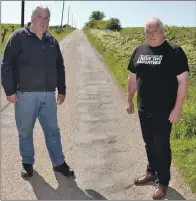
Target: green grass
x: 187, y: 127
x: 116, y: 49
x: 184, y: 153
x: 9, y: 27
x: 58, y: 33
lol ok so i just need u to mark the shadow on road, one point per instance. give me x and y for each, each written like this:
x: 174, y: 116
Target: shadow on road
x: 172, y: 194
x: 67, y: 189
x: 95, y: 195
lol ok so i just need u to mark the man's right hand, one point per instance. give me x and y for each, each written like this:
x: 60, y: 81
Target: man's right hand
x: 130, y: 107
x: 12, y: 98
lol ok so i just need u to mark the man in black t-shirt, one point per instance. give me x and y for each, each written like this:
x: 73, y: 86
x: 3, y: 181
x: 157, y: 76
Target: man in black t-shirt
x: 159, y: 73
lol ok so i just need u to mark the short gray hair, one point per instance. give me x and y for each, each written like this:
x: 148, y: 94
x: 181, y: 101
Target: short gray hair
x: 41, y: 8
x: 154, y: 20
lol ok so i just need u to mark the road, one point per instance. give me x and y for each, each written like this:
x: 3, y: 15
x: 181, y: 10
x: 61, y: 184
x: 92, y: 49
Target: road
x: 101, y: 142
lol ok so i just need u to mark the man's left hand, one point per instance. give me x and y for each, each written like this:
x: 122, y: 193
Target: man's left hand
x: 60, y: 99
x: 175, y: 115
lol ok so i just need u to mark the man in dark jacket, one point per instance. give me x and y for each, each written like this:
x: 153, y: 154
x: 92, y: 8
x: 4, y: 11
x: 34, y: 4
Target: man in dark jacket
x: 159, y: 72
x: 32, y: 68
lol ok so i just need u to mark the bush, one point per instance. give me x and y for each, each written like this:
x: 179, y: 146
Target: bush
x: 97, y: 24
x: 114, y: 25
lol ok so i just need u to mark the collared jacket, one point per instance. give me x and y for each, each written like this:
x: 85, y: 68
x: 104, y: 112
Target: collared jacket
x: 30, y: 64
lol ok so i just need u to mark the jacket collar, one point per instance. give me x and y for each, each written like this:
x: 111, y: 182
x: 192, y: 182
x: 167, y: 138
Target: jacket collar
x: 29, y: 32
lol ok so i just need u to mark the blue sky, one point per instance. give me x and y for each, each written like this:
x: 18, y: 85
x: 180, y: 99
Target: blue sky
x: 130, y: 13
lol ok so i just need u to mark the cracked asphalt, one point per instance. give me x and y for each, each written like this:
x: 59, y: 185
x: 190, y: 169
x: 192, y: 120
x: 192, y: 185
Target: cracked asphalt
x: 101, y: 142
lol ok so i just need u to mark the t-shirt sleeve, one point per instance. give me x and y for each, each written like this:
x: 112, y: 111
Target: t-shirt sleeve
x: 131, y: 66
x: 181, y: 63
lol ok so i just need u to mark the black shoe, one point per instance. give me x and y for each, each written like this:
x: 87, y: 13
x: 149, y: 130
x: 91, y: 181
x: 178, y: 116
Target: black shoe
x: 27, y: 170
x: 64, y: 169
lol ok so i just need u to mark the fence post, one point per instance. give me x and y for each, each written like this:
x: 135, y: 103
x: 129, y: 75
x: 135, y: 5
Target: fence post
x: 4, y: 33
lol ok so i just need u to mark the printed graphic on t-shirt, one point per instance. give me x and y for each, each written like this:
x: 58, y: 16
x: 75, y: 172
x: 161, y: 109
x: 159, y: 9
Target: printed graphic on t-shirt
x: 150, y: 59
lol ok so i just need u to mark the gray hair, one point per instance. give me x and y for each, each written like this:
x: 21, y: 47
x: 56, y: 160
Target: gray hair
x: 41, y: 8
x: 155, y: 20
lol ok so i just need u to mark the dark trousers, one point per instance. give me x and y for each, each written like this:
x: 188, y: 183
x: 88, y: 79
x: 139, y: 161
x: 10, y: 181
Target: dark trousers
x: 156, y: 129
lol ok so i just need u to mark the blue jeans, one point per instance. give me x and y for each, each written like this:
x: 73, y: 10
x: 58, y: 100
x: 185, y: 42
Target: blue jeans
x: 41, y: 105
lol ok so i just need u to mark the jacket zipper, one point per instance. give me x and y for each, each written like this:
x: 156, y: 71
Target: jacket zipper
x: 44, y: 65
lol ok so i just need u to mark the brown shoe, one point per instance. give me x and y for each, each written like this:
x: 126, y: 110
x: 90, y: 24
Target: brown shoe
x: 160, y: 192
x: 145, y: 178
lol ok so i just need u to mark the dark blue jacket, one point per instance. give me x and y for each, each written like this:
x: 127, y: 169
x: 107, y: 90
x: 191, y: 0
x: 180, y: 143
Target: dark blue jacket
x: 30, y: 64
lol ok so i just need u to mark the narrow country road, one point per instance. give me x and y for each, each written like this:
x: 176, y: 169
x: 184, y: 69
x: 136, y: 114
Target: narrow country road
x: 101, y: 142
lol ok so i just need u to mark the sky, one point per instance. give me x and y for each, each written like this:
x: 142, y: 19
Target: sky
x: 130, y: 13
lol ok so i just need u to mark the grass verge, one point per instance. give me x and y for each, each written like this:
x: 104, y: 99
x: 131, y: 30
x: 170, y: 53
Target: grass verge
x: 183, y: 141
x: 184, y: 152
x: 60, y: 33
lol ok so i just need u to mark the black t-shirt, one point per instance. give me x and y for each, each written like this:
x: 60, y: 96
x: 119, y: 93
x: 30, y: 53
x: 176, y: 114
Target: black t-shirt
x: 156, y: 69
